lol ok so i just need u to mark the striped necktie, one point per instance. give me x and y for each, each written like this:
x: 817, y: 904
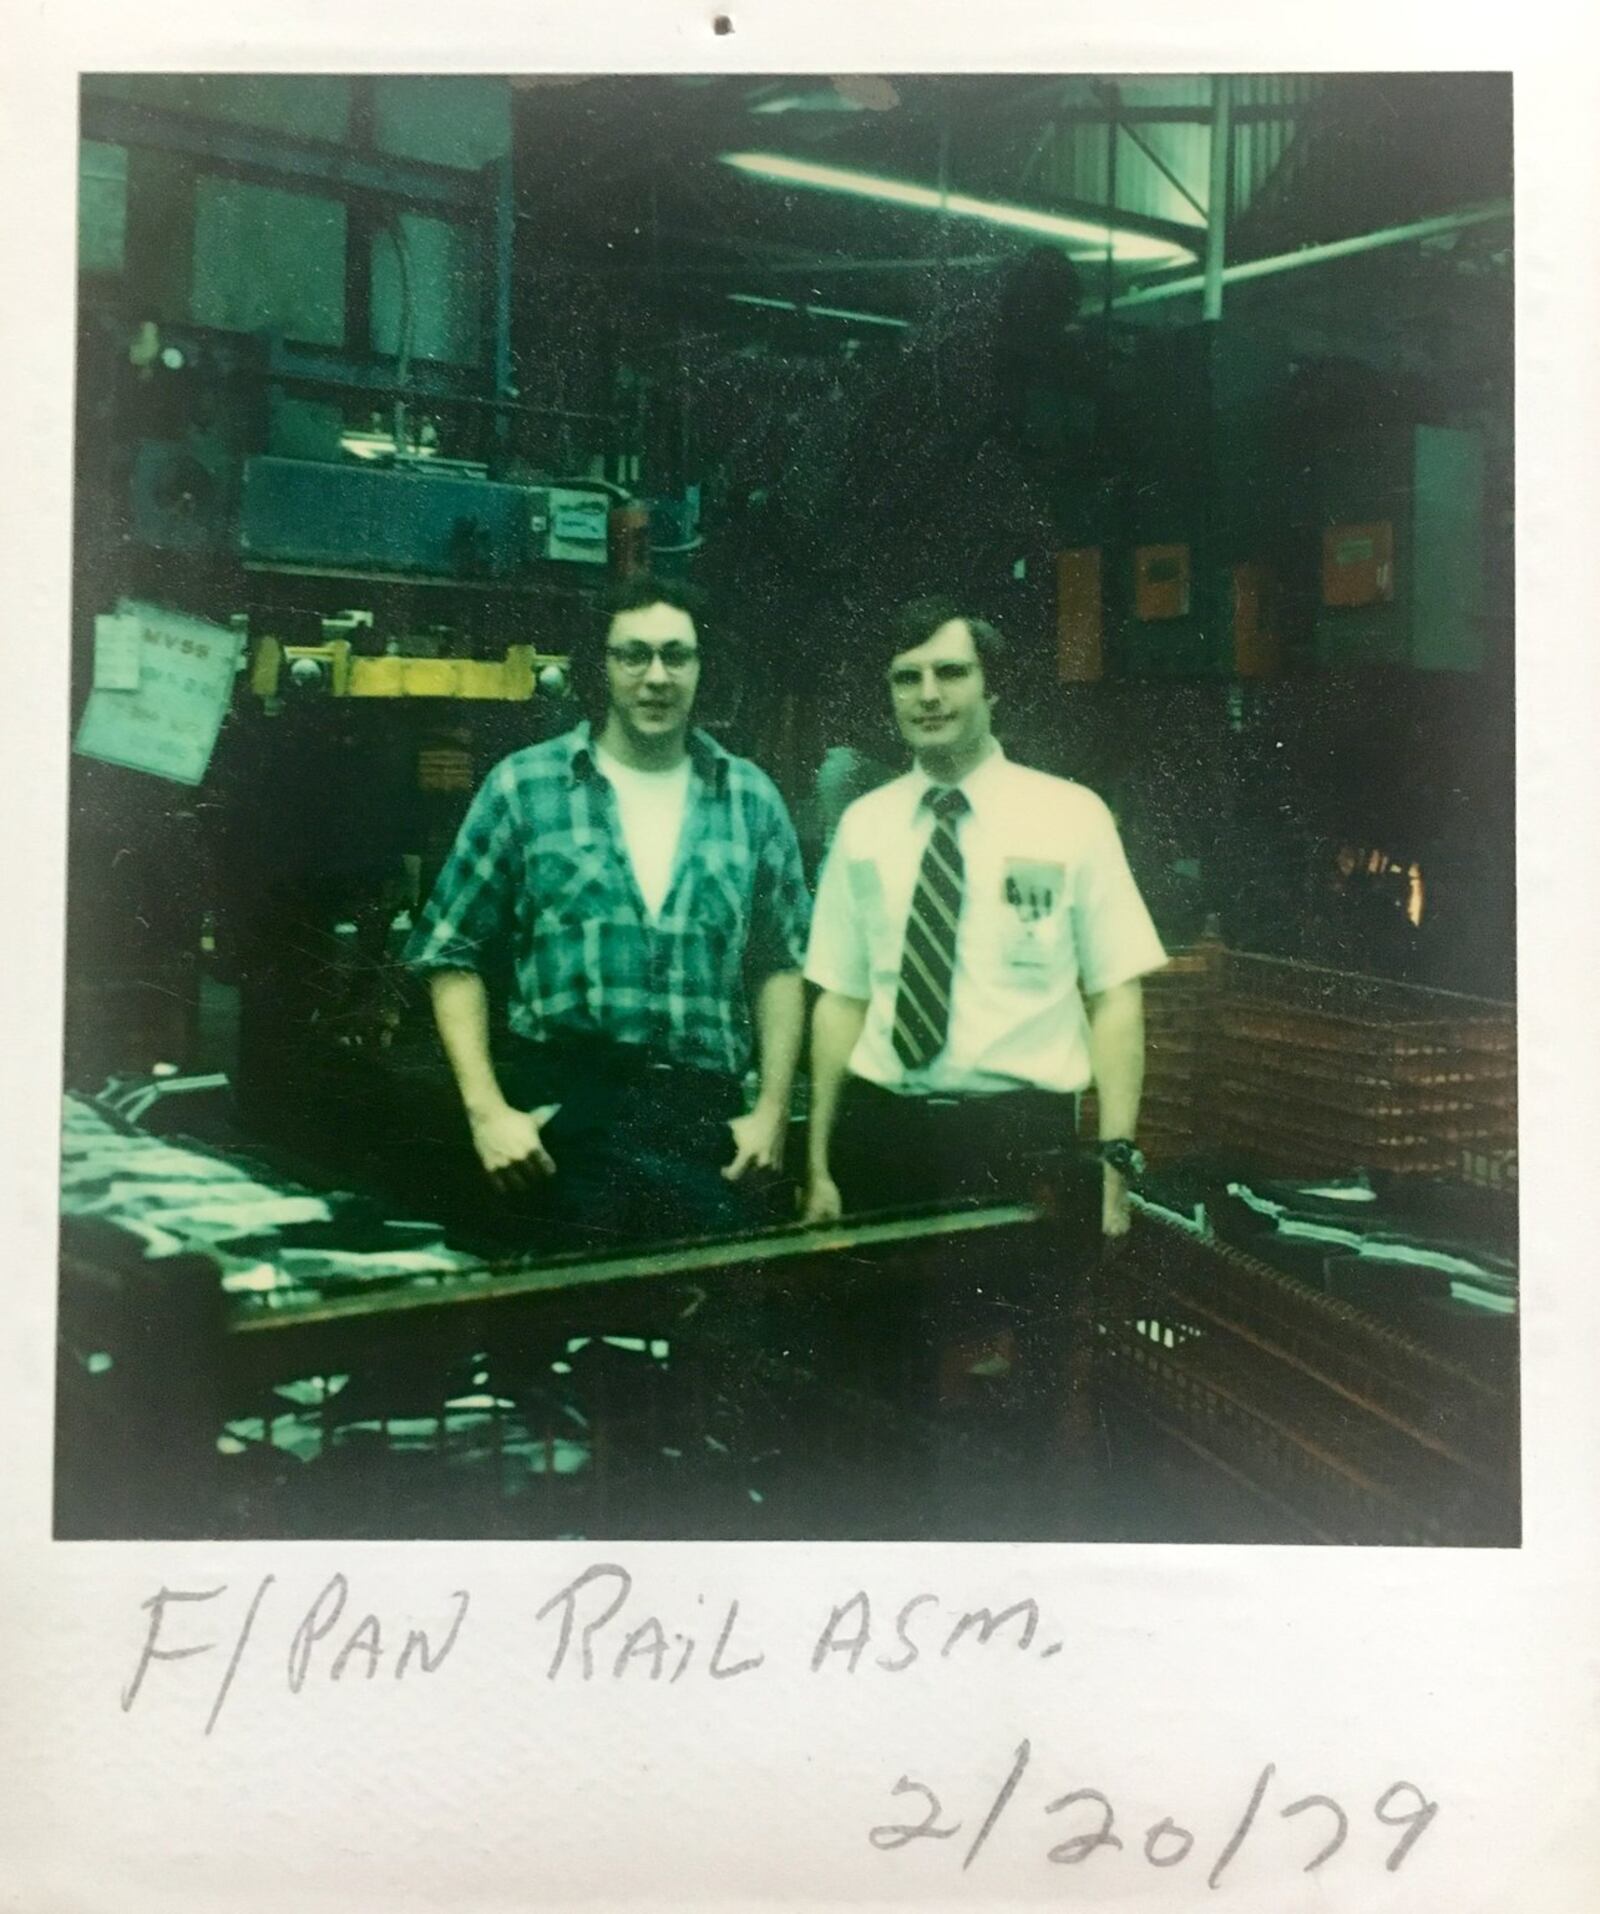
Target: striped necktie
x: 922, y: 1003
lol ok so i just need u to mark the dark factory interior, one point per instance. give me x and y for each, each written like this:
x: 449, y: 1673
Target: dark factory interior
x: 1198, y: 388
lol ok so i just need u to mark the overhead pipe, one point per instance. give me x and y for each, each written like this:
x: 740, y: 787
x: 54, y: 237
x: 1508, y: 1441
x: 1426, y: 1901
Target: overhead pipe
x: 1320, y: 255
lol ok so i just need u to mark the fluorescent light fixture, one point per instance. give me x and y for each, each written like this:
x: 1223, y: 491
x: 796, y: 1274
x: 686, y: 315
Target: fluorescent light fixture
x: 1084, y: 235
x: 817, y: 312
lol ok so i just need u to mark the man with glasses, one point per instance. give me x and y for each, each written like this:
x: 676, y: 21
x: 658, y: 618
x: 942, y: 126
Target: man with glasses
x: 648, y: 889
x: 979, y: 944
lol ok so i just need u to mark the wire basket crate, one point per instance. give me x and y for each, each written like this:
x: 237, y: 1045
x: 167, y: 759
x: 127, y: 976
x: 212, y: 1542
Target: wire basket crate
x: 1314, y: 1070
x: 1357, y: 1432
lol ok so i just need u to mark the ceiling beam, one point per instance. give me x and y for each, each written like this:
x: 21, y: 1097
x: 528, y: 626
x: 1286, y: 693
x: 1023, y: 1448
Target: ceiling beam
x: 1411, y: 233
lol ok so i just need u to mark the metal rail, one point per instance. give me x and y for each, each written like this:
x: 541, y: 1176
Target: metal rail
x: 506, y: 1283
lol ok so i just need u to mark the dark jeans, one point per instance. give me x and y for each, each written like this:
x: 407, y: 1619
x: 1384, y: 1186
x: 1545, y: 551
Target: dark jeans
x: 639, y: 1147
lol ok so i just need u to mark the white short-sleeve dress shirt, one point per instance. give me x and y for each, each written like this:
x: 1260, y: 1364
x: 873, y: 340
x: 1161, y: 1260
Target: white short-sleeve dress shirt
x: 1050, y: 912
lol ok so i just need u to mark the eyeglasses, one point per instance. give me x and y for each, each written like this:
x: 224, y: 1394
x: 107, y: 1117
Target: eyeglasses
x: 909, y: 677
x: 636, y: 656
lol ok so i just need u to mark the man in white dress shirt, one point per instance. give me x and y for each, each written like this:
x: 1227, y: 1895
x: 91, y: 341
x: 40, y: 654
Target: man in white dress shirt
x: 979, y: 942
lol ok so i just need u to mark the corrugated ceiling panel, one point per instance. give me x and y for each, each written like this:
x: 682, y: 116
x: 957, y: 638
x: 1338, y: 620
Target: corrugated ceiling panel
x: 1076, y: 166
x: 1260, y: 147
x: 1079, y: 168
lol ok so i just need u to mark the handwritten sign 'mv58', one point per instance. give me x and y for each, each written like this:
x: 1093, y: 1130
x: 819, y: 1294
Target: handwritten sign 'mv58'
x: 166, y: 722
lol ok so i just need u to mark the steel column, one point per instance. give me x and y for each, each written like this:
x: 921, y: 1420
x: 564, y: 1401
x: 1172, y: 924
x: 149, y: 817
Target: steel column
x: 1217, y: 198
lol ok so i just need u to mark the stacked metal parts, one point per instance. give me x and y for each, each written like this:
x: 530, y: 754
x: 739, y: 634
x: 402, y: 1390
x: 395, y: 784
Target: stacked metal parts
x: 367, y: 1413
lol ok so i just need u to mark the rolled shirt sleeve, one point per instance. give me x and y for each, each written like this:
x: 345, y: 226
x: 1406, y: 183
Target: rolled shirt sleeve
x: 1115, y: 937
x: 474, y: 899
x: 838, y: 957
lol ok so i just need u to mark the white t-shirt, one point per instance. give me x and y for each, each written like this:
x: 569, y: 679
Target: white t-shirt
x: 650, y: 808
x: 1050, y: 911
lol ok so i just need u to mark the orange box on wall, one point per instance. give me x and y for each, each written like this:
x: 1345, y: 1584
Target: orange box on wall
x: 1079, y: 620
x: 1256, y: 652
x: 1160, y: 582
x: 1358, y: 564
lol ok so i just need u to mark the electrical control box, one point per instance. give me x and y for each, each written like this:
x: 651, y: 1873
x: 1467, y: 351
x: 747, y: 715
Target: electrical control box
x: 1079, y: 617
x: 1358, y: 564
x: 1403, y: 524
x: 1256, y: 649
x: 1160, y: 582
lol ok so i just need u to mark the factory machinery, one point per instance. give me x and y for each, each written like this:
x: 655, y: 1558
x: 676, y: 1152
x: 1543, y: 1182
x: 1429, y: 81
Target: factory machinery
x: 300, y: 422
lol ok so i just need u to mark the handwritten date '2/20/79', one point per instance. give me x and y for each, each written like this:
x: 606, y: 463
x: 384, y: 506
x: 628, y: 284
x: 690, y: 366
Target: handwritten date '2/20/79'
x: 1092, y: 1819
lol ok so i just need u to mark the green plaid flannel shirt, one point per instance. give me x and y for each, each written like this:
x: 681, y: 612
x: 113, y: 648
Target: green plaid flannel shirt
x: 539, y: 870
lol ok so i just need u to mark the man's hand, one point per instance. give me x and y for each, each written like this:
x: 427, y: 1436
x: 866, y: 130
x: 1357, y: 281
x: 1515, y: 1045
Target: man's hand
x: 823, y: 1203
x: 1114, y: 1214
x: 510, y: 1147
x: 758, y: 1140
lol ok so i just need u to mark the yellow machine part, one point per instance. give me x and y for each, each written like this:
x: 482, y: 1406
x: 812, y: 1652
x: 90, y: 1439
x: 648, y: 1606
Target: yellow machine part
x: 512, y: 679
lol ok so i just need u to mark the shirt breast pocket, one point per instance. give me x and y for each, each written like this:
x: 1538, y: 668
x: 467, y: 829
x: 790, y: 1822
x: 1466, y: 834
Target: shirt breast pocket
x: 1033, y: 921
x: 720, y: 899
x: 573, y: 883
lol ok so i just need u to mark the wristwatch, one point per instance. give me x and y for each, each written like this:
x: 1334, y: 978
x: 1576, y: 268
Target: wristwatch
x: 1124, y: 1156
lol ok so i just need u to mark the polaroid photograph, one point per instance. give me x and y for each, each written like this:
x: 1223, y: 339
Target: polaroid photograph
x: 805, y: 839
x: 566, y: 530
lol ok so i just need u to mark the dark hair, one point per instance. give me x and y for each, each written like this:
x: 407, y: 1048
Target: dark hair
x: 644, y: 589
x: 914, y: 624
x: 636, y: 593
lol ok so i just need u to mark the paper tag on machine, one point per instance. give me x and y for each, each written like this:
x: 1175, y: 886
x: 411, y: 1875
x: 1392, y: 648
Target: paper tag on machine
x: 162, y: 684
